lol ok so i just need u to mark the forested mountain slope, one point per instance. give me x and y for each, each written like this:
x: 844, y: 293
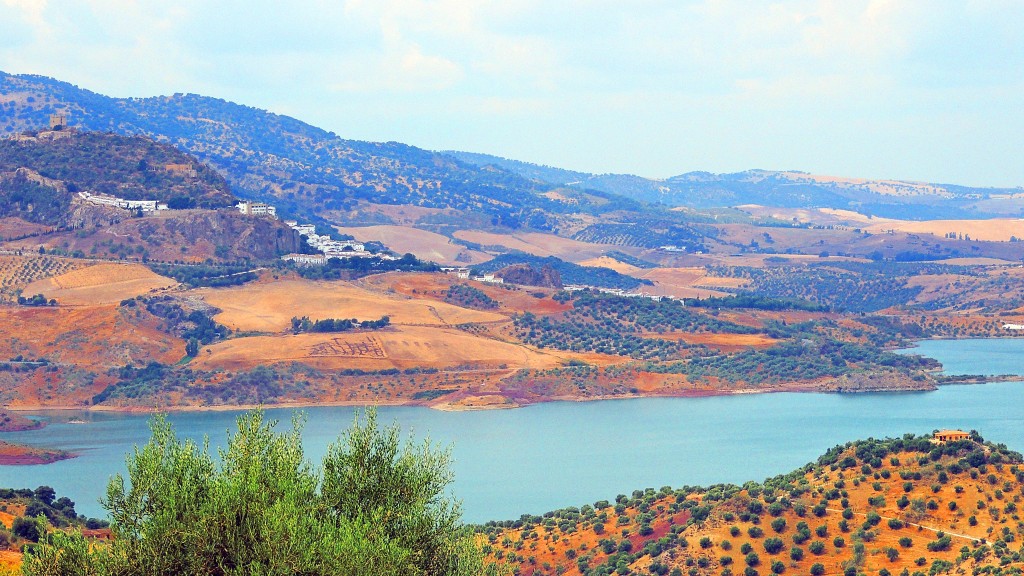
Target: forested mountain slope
x: 41, y: 173
x: 302, y: 169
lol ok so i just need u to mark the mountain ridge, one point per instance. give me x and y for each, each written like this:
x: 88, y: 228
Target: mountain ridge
x: 303, y: 169
x: 782, y: 188
x: 308, y: 171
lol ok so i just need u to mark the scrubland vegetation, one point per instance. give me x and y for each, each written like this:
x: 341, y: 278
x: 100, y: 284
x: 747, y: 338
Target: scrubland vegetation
x: 199, y: 275
x: 469, y: 297
x: 350, y: 268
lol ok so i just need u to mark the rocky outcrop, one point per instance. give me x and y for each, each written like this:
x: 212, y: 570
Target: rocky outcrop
x: 30, y: 175
x: 234, y: 236
x: 178, y: 235
x: 526, y: 275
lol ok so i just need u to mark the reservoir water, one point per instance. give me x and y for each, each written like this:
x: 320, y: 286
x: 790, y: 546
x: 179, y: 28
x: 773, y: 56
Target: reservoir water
x: 548, y: 456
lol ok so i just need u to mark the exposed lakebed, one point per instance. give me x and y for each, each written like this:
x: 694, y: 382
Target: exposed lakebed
x: 547, y: 456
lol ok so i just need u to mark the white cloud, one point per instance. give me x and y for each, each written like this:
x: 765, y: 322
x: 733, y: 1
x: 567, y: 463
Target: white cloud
x: 651, y: 86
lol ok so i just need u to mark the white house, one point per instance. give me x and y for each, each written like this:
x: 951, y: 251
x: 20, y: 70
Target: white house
x: 107, y: 200
x: 308, y: 259
x: 256, y: 209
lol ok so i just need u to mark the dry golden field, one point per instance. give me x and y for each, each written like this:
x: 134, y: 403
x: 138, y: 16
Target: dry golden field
x: 432, y: 286
x: 17, y: 272
x: 100, y: 284
x: 538, y: 244
x: 687, y: 282
x: 396, y: 347
x: 609, y: 262
x: 423, y: 244
x: 995, y: 230
x: 270, y: 306
x: 884, y: 187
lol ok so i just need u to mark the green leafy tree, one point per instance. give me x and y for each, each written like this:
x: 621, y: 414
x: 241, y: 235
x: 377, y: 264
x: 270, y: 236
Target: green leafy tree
x: 376, y: 506
x: 30, y: 528
x: 192, y: 347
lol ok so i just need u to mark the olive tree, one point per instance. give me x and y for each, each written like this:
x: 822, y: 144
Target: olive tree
x: 376, y: 506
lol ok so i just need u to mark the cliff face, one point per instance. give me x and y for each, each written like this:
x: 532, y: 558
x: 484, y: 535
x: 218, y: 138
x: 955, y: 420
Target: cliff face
x: 179, y: 235
x: 546, y: 277
x: 233, y: 236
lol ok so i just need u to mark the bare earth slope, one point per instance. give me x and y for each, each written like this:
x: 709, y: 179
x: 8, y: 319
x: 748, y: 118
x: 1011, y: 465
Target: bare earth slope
x: 271, y: 306
x: 100, y: 284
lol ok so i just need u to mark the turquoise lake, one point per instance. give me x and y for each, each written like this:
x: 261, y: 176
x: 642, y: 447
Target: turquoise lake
x: 548, y: 456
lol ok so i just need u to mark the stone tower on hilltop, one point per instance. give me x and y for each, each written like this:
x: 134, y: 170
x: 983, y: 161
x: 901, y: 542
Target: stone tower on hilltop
x: 58, y: 121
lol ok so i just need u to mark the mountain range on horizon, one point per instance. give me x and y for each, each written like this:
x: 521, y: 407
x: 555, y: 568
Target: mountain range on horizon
x: 308, y: 171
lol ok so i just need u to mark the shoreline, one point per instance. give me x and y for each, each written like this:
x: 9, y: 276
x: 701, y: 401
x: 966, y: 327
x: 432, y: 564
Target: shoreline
x: 513, y: 403
x: 453, y: 406
x: 462, y: 401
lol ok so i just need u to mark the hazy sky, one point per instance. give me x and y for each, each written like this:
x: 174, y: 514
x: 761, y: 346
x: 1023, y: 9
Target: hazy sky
x: 930, y: 90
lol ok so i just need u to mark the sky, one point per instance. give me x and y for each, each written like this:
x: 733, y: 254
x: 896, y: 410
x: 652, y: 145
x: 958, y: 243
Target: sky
x: 929, y: 90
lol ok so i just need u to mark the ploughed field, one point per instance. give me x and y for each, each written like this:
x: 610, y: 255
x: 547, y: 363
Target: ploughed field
x: 894, y: 506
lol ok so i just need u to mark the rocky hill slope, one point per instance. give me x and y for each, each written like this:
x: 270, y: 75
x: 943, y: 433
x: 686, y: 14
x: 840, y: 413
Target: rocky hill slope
x: 45, y: 175
x: 41, y: 174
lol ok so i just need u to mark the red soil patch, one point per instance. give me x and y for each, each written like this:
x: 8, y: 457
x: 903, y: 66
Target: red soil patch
x: 17, y: 455
x: 971, y: 507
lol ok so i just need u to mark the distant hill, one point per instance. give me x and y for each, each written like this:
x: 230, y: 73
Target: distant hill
x: 887, y: 198
x: 41, y: 172
x: 568, y: 272
x: 302, y: 169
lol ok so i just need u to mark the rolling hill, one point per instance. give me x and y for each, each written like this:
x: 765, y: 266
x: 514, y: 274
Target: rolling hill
x: 41, y: 172
x: 312, y: 174
x: 892, y: 506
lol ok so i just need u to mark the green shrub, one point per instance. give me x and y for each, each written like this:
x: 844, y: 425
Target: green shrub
x: 376, y: 505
